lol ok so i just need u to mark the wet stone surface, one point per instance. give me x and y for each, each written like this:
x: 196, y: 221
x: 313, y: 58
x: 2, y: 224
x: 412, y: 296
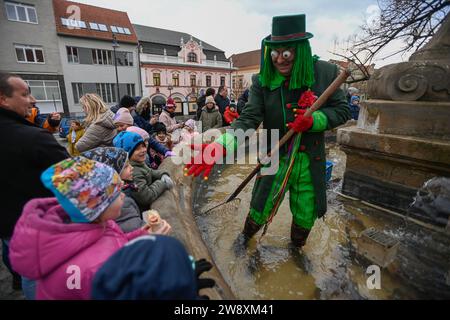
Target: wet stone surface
x: 329, y: 266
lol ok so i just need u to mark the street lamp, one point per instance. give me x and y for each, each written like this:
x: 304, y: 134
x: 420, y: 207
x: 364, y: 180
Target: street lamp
x: 115, y: 45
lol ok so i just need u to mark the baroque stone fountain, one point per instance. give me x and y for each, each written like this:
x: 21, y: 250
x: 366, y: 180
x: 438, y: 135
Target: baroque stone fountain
x: 402, y: 138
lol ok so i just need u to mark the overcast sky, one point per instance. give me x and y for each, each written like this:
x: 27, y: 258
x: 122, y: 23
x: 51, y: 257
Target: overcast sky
x: 237, y: 26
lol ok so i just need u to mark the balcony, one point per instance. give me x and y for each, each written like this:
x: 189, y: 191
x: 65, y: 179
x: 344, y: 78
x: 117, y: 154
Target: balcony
x: 155, y: 58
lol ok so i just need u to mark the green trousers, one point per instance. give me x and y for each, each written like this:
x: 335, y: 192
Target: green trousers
x: 301, y: 193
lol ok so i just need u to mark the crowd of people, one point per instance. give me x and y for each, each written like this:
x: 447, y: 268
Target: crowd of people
x: 77, y: 221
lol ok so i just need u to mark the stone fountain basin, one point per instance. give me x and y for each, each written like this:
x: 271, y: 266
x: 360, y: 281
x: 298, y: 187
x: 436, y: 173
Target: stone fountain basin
x: 175, y: 206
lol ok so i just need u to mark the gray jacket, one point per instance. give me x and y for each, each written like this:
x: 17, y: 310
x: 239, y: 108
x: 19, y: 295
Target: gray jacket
x: 99, y: 134
x: 130, y: 217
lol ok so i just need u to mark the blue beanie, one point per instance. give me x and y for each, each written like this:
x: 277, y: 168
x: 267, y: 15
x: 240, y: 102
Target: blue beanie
x: 128, y: 141
x: 353, y: 98
x: 151, y: 267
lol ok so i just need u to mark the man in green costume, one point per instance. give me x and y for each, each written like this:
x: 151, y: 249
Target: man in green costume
x: 289, y: 79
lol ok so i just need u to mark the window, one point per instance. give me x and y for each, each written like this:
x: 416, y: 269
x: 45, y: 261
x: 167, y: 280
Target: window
x: 222, y: 81
x: 72, y: 55
x: 93, y: 26
x: 21, y: 12
x: 45, y: 90
x: 192, y: 57
x: 77, y: 89
x: 176, y: 80
x: 193, y: 80
x: 156, y: 79
x: 103, y: 57
x: 29, y: 54
x: 208, y: 81
x: 120, y: 30
x: 130, y: 89
x: 102, y: 27
x: 73, y: 24
x: 124, y: 58
x: 106, y: 91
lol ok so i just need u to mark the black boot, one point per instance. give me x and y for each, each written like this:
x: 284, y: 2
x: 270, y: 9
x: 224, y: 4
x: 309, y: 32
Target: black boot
x: 298, y: 235
x: 241, y: 242
x: 250, y: 228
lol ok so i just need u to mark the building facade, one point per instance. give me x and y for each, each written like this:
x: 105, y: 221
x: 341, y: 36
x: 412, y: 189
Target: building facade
x: 93, y: 43
x: 177, y: 65
x: 247, y: 64
x: 30, y: 49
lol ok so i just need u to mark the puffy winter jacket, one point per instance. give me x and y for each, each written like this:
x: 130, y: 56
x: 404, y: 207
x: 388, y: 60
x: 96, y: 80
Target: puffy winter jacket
x: 148, y: 183
x: 62, y: 256
x: 98, y: 134
x: 230, y: 116
x: 210, y: 118
x: 130, y: 216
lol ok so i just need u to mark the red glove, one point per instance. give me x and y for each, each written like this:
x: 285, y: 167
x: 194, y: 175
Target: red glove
x: 204, y: 160
x: 301, y: 123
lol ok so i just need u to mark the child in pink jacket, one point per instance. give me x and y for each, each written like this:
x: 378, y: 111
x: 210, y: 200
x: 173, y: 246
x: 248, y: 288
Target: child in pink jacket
x: 61, y: 242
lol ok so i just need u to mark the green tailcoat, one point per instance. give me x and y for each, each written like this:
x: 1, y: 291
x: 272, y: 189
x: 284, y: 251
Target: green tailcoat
x: 266, y: 106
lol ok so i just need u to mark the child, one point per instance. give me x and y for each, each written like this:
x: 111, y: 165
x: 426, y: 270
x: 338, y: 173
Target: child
x: 151, y: 144
x: 61, y: 242
x: 152, y: 268
x: 230, y: 114
x: 123, y: 119
x: 161, y: 136
x: 354, y: 107
x: 130, y: 216
x: 188, y: 132
x: 210, y: 117
x: 76, y: 131
x: 150, y: 183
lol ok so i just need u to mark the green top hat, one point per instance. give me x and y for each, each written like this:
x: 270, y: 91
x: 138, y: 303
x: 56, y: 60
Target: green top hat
x: 287, y: 29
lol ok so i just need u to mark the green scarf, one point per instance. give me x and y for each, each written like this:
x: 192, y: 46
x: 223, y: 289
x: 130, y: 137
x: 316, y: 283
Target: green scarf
x: 302, y: 74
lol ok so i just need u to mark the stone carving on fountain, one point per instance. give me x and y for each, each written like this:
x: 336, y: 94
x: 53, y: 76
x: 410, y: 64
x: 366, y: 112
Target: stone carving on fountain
x: 426, y: 77
x: 402, y: 138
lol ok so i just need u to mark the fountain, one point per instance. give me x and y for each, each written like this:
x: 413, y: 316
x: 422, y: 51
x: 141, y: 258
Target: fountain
x: 402, y: 138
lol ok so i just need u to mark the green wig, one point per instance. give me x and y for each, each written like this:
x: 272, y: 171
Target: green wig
x: 302, y: 74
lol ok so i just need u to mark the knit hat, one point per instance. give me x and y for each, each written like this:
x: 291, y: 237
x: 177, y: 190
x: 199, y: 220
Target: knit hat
x: 210, y: 99
x: 159, y: 127
x: 144, y: 134
x: 128, y: 141
x: 190, y: 123
x: 123, y: 115
x: 84, y: 188
x: 353, y: 98
x: 170, y: 103
x: 127, y: 102
x: 113, y: 157
x: 151, y: 267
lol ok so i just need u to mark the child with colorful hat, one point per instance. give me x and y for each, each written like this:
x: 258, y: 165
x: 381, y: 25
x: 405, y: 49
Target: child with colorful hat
x: 69, y: 237
x: 150, y: 183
